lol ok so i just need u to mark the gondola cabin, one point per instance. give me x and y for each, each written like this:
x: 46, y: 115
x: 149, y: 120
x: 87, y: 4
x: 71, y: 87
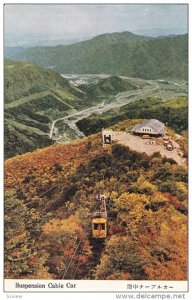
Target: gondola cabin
x: 99, y: 219
x: 99, y: 228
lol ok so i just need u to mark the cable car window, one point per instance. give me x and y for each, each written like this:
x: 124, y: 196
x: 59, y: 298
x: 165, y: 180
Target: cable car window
x: 102, y: 226
x: 99, y: 226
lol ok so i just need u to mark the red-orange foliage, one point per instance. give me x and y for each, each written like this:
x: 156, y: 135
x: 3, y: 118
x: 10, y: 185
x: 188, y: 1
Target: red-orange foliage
x: 43, y: 161
x: 175, y: 202
x: 125, y: 276
x: 166, y: 247
x: 61, y: 239
x: 147, y: 228
x: 36, y: 173
x: 116, y: 229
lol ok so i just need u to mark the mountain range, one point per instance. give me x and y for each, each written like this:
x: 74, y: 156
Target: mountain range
x: 116, y: 54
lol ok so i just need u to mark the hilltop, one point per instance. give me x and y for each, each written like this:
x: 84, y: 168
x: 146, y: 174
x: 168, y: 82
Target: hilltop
x: 105, y: 88
x: 117, y: 54
x: 24, y: 79
x: 50, y: 196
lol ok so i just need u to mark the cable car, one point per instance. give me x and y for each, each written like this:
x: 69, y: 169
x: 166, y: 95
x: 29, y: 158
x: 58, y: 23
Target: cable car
x: 99, y: 227
x: 99, y: 219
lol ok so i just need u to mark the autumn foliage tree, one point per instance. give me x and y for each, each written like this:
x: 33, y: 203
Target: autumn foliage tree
x: 121, y: 260
x: 50, y: 197
x: 22, y: 228
x: 67, y: 246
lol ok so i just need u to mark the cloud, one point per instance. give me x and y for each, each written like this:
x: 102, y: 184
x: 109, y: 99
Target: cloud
x: 57, y: 21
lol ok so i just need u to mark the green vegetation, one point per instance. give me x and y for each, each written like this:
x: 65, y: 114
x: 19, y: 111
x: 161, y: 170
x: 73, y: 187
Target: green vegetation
x: 24, y: 134
x: 34, y: 97
x: 173, y: 112
x: 50, y: 197
x: 40, y: 105
x: 24, y: 79
x: 106, y: 87
x: 117, y: 54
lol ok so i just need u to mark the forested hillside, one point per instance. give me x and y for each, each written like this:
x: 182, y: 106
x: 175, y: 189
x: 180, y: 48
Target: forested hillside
x: 106, y: 87
x: 50, y: 196
x: 117, y: 54
x: 34, y: 96
x: 24, y: 79
x: 173, y: 112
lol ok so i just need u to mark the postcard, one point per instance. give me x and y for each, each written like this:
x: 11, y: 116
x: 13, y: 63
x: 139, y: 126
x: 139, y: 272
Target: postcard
x: 96, y: 148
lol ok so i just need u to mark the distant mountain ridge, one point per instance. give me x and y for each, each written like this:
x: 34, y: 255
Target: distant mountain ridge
x: 117, y: 54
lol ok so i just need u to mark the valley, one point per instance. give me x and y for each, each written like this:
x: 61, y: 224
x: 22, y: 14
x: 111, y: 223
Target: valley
x: 145, y: 88
x: 65, y: 92
x: 43, y: 107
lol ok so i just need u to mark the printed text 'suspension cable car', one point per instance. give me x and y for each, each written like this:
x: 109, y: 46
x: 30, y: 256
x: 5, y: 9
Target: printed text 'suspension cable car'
x: 99, y: 219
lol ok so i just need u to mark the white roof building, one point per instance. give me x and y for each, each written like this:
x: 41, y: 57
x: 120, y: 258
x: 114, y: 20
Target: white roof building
x: 151, y: 127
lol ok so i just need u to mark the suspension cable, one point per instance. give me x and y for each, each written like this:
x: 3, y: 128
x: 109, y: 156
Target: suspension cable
x: 72, y: 259
x: 76, y: 267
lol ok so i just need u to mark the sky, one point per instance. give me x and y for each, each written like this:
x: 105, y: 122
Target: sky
x: 29, y: 22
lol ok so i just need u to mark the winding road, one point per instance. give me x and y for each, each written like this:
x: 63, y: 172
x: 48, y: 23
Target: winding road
x: 119, y: 100
x: 144, y: 88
